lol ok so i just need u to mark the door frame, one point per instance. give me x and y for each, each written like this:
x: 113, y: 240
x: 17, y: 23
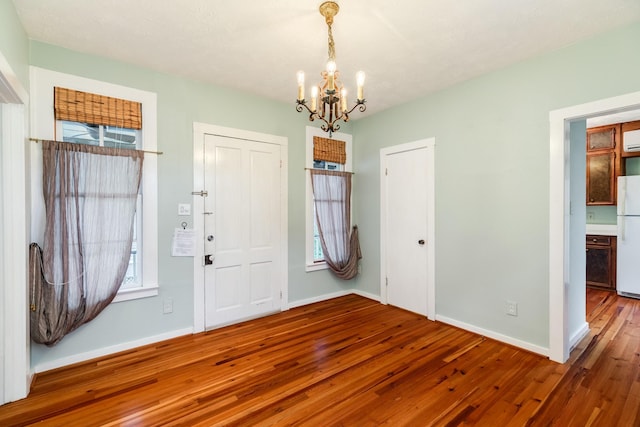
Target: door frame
x: 429, y: 144
x: 560, y: 214
x: 15, y: 347
x: 199, y: 132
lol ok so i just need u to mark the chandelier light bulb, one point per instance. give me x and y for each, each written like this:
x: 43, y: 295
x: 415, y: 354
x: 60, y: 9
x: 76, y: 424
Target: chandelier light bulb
x: 360, y: 82
x: 300, y: 85
x: 314, y: 98
x: 331, y: 71
x: 331, y: 67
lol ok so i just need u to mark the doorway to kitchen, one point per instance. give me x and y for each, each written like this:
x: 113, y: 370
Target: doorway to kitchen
x: 567, y: 317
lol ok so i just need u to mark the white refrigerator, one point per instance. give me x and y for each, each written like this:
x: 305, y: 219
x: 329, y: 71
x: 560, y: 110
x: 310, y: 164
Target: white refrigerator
x: 628, y: 241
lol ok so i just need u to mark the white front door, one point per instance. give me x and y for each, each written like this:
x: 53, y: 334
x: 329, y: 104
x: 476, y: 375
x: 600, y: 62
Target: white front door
x: 406, y: 212
x: 242, y: 223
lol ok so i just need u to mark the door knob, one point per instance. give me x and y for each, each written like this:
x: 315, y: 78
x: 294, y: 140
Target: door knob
x: 421, y: 242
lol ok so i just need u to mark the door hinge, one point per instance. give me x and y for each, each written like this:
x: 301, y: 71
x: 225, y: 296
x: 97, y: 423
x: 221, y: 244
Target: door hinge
x: 386, y: 171
x: 386, y: 281
x: 280, y: 294
x: 280, y: 164
x: 203, y: 193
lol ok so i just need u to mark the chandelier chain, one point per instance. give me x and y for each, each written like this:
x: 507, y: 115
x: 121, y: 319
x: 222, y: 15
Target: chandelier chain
x: 332, y: 46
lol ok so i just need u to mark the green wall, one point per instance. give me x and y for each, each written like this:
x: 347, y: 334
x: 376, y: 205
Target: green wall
x: 492, y: 178
x: 14, y: 45
x: 180, y: 103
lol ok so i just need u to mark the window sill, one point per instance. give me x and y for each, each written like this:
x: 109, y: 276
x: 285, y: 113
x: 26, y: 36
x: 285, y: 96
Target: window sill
x: 136, y: 293
x: 316, y: 266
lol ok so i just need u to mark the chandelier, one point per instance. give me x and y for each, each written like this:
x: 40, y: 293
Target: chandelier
x: 329, y: 98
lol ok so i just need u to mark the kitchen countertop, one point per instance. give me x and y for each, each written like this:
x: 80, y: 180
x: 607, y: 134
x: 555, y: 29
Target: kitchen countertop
x: 602, y: 229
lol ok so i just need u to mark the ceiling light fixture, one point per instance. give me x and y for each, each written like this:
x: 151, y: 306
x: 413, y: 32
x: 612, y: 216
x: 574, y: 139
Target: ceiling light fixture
x: 330, y: 92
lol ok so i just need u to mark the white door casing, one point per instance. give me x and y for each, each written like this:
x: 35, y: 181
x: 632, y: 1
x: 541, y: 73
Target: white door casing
x: 407, y: 226
x: 15, y: 374
x: 244, y: 175
x: 2, y: 280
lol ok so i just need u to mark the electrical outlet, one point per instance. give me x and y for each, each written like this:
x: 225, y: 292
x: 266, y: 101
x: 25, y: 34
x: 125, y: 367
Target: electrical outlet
x: 167, y: 306
x: 511, y: 308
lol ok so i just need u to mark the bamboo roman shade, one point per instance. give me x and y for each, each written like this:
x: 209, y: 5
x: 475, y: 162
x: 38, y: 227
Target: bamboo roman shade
x: 83, y: 107
x: 330, y: 150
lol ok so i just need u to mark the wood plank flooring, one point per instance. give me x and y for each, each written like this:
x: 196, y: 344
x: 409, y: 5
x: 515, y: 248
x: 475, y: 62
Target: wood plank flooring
x: 350, y: 362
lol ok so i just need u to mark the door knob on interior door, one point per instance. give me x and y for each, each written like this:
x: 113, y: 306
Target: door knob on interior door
x: 421, y: 242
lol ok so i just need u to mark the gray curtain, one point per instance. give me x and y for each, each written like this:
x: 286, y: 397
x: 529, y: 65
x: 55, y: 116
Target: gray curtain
x: 332, y: 201
x: 90, y: 196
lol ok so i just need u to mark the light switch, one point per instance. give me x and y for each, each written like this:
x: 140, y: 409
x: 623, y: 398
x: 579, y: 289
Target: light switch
x: 184, y: 209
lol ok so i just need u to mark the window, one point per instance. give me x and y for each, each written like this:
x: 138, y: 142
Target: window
x: 318, y: 256
x: 142, y: 276
x: 314, y: 256
x: 114, y: 137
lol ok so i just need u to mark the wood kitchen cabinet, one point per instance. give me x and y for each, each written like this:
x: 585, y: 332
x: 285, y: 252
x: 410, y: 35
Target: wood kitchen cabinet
x: 601, y: 262
x: 601, y: 179
x: 603, y: 164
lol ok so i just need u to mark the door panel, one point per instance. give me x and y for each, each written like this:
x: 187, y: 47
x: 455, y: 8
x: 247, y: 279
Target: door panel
x: 244, y: 220
x: 260, y: 279
x: 628, y: 248
x: 406, y: 227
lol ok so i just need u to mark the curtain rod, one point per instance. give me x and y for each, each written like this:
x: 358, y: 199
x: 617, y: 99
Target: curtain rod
x: 36, y: 140
x: 314, y: 169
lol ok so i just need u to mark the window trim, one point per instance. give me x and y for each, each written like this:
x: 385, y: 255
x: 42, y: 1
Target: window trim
x: 311, y: 131
x: 43, y: 126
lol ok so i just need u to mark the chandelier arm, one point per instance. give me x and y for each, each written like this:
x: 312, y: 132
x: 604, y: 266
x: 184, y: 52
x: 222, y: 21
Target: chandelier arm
x: 300, y: 104
x: 360, y: 105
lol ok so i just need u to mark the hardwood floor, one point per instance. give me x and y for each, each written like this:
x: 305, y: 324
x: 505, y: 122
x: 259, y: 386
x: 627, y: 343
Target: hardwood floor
x: 349, y: 362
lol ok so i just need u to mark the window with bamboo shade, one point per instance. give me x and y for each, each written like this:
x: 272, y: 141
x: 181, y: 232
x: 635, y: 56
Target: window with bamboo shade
x: 83, y: 107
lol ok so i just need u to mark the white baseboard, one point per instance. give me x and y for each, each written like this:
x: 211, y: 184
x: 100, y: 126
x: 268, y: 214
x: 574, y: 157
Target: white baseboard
x: 319, y: 298
x: 82, y: 357
x: 366, y: 295
x: 578, y: 335
x: 325, y: 297
x: 494, y: 335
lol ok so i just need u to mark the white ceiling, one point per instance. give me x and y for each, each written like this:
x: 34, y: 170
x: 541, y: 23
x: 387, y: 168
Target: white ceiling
x: 407, y: 48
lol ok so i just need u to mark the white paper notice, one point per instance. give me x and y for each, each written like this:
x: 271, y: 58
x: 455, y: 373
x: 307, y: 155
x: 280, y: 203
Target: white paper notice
x: 184, y: 242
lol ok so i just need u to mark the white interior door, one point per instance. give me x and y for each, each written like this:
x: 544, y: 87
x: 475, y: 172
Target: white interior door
x: 406, y: 214
x: 242, y: 229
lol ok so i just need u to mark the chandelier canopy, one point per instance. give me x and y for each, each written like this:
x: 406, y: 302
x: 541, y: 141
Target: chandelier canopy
x: 329, y: 97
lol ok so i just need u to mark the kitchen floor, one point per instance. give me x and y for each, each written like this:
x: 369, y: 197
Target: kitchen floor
x: 596, y: 300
